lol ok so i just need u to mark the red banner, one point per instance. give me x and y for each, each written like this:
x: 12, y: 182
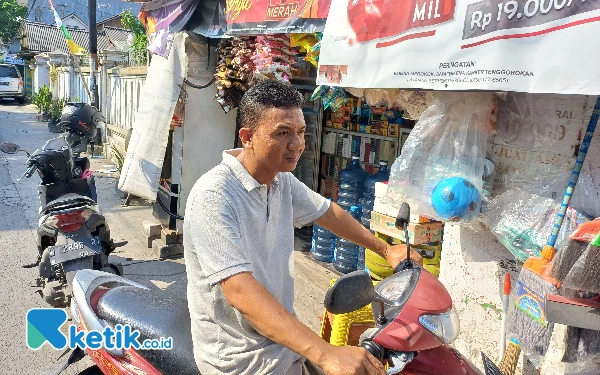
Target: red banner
x: 376, y: 19
x: 276, y: 16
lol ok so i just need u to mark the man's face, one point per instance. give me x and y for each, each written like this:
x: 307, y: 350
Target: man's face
x: 278, y: 140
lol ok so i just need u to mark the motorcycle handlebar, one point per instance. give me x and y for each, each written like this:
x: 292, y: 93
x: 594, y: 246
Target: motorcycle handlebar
x: 30, y: 171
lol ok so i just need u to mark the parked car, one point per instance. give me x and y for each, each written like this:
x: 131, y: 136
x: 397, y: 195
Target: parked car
x: 11, y: 83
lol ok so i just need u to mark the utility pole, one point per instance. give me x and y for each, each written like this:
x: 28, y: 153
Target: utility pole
x: 93, y: 53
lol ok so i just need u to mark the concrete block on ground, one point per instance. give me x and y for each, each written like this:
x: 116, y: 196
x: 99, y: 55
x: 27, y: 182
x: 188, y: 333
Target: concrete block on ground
x: 171, y: 237
x: 151, y: 230
x: 162, y: 250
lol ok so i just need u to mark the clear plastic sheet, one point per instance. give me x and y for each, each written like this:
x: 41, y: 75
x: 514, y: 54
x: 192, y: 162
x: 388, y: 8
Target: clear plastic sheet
x: 449, y: 141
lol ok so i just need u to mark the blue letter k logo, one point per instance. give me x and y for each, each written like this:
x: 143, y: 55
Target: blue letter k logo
x: 44, y: 325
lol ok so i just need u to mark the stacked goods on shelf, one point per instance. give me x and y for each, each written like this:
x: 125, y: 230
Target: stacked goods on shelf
x: 371, y: 150
x: 357, y: 116
x: 424, y: 233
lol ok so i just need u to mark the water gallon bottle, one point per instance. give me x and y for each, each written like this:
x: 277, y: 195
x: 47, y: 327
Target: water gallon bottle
x: 369, y: 196
x: 345, y: 258
x: 323, y: 244
x: 351, y: 184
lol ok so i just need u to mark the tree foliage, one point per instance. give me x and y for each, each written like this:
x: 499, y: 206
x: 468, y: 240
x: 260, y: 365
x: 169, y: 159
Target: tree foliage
x: 140, y: 39
x: 11, y: 15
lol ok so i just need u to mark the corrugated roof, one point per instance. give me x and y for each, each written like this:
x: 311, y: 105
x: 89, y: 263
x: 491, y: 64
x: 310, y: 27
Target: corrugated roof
x: 42, y: 37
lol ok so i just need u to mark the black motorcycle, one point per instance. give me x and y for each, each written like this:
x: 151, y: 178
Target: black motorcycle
x: 72, y: 232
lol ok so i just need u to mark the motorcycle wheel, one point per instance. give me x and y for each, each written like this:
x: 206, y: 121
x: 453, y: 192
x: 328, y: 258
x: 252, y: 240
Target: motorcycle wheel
x: 94, y: 370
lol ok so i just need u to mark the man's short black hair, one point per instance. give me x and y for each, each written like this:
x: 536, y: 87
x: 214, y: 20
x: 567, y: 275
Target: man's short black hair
x: 265, y: 95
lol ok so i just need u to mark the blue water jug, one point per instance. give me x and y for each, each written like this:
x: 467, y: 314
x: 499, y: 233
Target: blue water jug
x: 369, y: 195
x: 323, y: 244
x: 346, y: 252
x: 351, y: 184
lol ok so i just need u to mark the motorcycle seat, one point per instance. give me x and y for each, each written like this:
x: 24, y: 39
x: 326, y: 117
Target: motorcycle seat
x: 67, y: 201
x: 154, y: 314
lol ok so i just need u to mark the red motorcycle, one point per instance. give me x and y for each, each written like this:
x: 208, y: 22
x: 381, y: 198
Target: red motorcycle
x: 415, y: 321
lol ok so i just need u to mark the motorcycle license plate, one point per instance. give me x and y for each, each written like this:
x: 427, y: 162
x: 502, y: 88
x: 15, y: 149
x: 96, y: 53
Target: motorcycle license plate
x: 75, y: 248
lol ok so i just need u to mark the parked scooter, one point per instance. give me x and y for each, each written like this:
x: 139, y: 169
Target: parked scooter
x: 415, y: 321
x: 72, y: 232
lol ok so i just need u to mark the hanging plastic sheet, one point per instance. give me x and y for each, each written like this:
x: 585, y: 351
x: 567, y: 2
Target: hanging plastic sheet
x: 275, y: 16
x: 164, y: 18
x: 440, y: 170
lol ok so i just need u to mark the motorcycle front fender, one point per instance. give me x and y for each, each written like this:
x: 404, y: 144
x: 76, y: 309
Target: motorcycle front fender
x: 441, y: 360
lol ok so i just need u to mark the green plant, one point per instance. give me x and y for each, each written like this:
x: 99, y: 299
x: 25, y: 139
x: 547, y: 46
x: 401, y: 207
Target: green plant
x: 56, y: 107
x: 53, y: 74
x: 138, y: 48
x: 42, y: 100
x: 119, y: 156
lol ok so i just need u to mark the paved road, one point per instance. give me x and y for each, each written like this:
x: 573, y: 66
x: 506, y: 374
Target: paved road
x: 18, y: 223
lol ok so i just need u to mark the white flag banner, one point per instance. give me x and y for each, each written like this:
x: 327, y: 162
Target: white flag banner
x: 539, y: 46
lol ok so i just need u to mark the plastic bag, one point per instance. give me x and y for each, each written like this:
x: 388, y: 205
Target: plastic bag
x: 439, y: 172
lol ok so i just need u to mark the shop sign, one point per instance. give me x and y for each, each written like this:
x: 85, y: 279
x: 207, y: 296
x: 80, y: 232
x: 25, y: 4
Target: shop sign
x: 276, y: 16
x: 539, y: 46
x: 11, y: 59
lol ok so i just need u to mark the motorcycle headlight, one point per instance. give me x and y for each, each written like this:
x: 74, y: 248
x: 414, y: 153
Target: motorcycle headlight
x: 395, y: 291
x: 394, y: 288
x: 444, y: 326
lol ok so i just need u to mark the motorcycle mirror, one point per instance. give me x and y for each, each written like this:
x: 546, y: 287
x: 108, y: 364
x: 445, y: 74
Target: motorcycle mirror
x: 9, y: 148
x: 349, y: 293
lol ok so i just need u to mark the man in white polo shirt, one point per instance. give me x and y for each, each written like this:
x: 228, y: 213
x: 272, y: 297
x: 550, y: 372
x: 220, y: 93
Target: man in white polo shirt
x: 239, y: 240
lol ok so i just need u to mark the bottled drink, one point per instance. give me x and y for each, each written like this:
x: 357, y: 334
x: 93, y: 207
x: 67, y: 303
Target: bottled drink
x: 351, y: 187
x: 346, y: 252
x: 369, y: 195
x: 323, y: 244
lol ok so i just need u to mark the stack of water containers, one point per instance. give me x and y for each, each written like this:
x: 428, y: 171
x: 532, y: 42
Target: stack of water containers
x: 368, y: 201
x: 323, y: 244
x: 350, y: 192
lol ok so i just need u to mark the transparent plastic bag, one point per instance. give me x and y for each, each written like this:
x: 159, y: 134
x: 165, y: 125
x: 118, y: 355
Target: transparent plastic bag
x: 439, y: 172
x: 522, y: 217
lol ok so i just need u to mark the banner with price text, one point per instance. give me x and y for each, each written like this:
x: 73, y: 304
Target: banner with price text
x: 539, y: 46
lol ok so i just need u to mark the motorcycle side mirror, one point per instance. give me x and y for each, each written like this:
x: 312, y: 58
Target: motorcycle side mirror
x: 11, y: 148
x: 350, y: 293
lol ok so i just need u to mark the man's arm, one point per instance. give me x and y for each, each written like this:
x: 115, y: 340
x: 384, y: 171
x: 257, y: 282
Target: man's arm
x: 342, y: 224
x: 272, y: 320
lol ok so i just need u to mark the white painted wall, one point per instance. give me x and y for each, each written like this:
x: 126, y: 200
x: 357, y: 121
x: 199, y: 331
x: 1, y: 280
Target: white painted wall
x: 207, y: 130
x: 72, y: 21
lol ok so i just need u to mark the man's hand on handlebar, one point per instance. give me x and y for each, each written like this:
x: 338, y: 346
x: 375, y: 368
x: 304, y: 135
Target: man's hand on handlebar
x: 351, y: 360
x: 397, y: 253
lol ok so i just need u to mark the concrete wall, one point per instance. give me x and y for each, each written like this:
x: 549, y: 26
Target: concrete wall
x: 207, y: 130
x: 120, y: 94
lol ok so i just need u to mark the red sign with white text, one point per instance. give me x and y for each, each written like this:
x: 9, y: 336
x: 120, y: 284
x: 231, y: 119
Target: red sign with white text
x: 276, y: 16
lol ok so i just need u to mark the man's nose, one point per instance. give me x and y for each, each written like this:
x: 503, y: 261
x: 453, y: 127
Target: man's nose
x: 297, y: 143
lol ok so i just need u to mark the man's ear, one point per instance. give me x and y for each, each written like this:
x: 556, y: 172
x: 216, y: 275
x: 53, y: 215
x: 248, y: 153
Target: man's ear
x: 246, y: 137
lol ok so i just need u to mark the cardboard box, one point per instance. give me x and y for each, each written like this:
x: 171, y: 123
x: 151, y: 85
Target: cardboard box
x: 394, y: 130
x: 380, y: 189
x: 393, y: 212
x: 422, y: 233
